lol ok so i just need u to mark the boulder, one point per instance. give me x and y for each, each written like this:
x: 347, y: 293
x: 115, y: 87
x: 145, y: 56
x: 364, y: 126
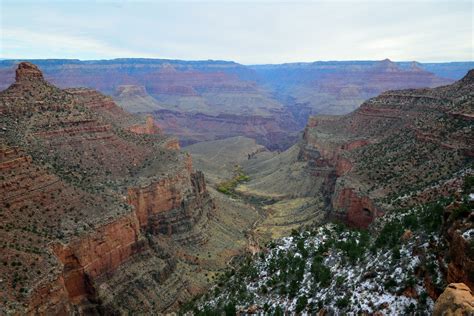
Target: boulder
x: 456, y: 299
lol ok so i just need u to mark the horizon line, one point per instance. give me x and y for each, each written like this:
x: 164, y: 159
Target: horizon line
x: 232, y: 61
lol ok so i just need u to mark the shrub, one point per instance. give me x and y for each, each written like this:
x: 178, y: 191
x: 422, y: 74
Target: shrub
x: 321, y: 273
x: 229, y: 309
x: 301, y: 303
x: 468, y: 186
x: 343, y: 302
x: 278, y: 311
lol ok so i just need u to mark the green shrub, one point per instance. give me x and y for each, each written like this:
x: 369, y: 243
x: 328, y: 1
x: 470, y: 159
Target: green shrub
x: 301, y: 303
x: 343, y: 302
x: 321, y: 273
x: 468, y: 186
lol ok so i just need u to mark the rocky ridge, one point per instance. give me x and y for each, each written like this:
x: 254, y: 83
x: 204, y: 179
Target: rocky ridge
x: 210, y: 100
x: 87, y: 192
x: 457, y: 299
x: 392, y: 151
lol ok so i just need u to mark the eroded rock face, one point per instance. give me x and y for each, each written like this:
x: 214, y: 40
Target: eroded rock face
x: 150, y: 127
x: 461, y: 267
x: 391, y: 151
x: 275, y: 131
x: 359, y: 211
x: 27, y: 72
x: 457, y: 299
x: 85, y: 259
x: 69, y: 166
x: 459, y: 232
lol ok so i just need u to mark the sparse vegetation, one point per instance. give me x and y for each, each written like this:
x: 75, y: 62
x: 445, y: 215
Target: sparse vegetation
x: 227, y: 187
x: 302, y: 266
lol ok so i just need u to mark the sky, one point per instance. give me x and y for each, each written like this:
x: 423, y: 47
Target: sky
x: 248, y: 32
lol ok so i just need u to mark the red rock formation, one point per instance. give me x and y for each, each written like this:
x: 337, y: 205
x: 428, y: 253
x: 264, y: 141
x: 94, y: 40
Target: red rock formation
x: 27, y: 72
x: 173, y: 144
x: 270, y: 131
x: 461, y: 265
x: 157, y: 197
x: 104, y: 105
x: 150, y: 127
x: 51, y: 298
x: 381, y: 76
x: 343, y: 166
x: 85, y: 259
x: 360, y: 211
x: 457, y: 299
x: 67, y: 218
x: 392, y: 143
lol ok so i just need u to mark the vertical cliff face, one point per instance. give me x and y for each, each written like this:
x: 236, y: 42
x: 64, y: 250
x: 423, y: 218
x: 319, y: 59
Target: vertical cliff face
x: 461, y: 267
x: 331, y: 155
x: 459, y: 234
x: 27, y: 72
x: 85, y: 259
x: 172, y: 205
x: 360, y: 211
x: 85, y: 195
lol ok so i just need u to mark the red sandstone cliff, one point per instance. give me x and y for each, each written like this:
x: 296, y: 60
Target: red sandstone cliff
x: 84, y: 186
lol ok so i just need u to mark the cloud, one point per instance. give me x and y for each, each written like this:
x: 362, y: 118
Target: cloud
x: 244, y: 31
x: 17, y: 42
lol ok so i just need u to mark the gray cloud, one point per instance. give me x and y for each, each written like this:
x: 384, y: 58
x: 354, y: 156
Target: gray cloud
x: 244, y: 31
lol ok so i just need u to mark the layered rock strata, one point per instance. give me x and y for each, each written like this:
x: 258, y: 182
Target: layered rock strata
x: 398, y: 149
x: 86, y: 193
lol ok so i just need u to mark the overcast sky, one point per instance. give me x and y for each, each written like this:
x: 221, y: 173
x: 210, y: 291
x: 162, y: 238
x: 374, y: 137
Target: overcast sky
x: 248, y: 32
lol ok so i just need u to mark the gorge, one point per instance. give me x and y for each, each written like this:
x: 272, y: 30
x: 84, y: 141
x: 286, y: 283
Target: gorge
x: 104, y: 213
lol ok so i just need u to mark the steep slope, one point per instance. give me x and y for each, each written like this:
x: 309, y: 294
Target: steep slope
x: 398, y: 269
x: 393, y: 147
x: 401, y: 168
x: 101, y: 212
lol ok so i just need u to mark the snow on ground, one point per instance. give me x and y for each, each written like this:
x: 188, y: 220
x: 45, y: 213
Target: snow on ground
x: 376, y: 281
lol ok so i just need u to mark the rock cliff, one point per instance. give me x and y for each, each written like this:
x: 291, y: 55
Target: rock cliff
x: 392, y: 151
x: 88, y: 195
x: 270, y: 103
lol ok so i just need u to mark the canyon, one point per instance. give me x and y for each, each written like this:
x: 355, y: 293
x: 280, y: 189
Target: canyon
x: 392, y: 151
x: 400, y: 151
x: 101, y: 212
x: 389, y: 153
x: 209, y: 100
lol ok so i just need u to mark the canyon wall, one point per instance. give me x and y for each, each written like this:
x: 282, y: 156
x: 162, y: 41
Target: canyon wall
x: 270, y: 103
x: 87, y: 192
x: 270, y: 131
x: 392, y: 151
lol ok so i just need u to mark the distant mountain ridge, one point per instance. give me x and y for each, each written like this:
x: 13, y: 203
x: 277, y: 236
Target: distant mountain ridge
x: 197, y: 100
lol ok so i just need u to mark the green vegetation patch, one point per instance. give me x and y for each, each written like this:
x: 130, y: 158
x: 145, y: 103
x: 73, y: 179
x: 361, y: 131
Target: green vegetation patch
x: 228, y: 187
